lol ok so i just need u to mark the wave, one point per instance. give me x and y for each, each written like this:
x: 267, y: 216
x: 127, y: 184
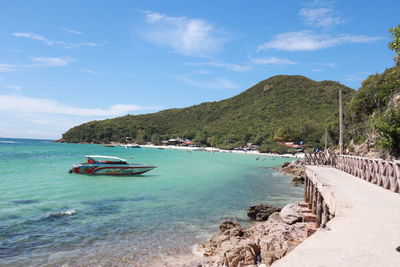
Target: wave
x: 8, y: 142
x: 60, y: 214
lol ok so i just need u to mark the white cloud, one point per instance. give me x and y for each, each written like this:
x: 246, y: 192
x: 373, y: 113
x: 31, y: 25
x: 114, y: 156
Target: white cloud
x: 72, y: 31
x: 310, y: 40
x: 219, y: 83
x: 317, y: 70
x: 11, y: 86
x: 320, y: 17
x: 272, y: 61
x: 49, y: 42
x: 228, y: 66
x: 24, y: 104
x: 183, y: 35
x: 91, y: 71
x: 7, y: 67
x: 37, y: 62
x: 328, y: 64
x: 201, y: 72
x: 50, y: 61
x: 33, y: 36
x: 27, y: 117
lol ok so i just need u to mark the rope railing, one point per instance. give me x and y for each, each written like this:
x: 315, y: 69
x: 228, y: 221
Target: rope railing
x: 384, y: 173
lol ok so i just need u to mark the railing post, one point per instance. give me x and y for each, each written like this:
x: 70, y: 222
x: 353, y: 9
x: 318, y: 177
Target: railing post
x: 306, y: 190
x: 311, y: 196
x: 315, y: 199
x: 319, y: 210
x: 325, y: 214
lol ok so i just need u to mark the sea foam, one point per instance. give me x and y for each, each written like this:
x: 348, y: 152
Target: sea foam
x: 60, y: 214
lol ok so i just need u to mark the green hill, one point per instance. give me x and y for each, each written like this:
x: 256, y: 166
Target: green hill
x: 283, y: 107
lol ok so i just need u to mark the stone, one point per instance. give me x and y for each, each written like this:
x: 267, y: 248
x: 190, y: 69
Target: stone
x: 228, y: 224
x: 291, y: 214
x: 261, y: 244
x: 285, y: 164
x: 298, y: 180
x: 261, y: 212
x: 274, y: 218
x: 244, y: 255
x: 297, y: 169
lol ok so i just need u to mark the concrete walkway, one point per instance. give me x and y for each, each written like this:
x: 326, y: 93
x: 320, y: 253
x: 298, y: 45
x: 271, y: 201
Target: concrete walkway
x: 365, y: 230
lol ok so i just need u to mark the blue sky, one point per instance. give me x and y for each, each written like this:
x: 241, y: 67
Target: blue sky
x: 63, y: 63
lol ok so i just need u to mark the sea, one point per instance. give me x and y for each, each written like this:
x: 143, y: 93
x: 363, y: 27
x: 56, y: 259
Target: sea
x: 49, y: 217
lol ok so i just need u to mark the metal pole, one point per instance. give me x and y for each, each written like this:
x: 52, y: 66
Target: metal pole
x: 340, y: 123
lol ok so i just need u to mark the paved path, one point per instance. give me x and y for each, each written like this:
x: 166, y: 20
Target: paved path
x: 365, y: 231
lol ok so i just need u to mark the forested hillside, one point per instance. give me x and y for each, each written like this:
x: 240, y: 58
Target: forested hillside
x: 373, y: 120
x: 281, y: 108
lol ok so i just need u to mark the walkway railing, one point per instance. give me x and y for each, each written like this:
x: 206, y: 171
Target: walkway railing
x: 381, y: 172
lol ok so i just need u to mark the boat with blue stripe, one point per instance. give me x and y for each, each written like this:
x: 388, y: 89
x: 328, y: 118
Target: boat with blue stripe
x: 108, y: 165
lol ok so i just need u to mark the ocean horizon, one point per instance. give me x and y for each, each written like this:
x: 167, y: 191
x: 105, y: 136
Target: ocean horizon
x: 50, y: 217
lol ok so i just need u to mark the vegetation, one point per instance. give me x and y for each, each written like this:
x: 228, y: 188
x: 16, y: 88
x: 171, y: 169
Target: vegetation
x: 281, y: 108
x: 388, y: 127
x: 395, y: 43
x: 374, y: 111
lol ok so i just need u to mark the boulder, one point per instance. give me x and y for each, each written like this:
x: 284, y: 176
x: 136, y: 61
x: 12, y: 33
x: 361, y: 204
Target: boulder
x: 227, y: 225
x: 291, y: 213
x: 285, y: 164
x: 297, y: 169
x: 297, y: 180
x: 243, y: 255
x: 262, y: 243
x: 261, y: 212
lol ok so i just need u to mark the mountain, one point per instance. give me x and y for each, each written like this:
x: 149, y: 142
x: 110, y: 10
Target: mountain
x: 281, y: 108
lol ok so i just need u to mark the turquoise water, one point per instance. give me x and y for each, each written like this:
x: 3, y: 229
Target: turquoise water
x: 49, y: 217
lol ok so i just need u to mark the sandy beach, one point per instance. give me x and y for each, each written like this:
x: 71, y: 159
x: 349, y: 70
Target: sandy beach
x: 214, y: 149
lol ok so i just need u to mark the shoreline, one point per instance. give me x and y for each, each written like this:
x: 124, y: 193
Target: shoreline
x: 260, y: 244
x: 214, y: 149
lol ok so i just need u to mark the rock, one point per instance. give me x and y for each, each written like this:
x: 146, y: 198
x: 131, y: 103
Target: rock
x: 285, y: 164
x: 261, y: 212
x: 262, y: 243
x: 297, y: 169
x: 227, y: 225
x: 244, y: 255
x: 274, y: 217
x: 291, y: 213
x: 297, y: 180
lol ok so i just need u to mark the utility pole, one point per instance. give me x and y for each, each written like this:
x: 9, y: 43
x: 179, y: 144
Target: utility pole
x: 340, y: 123
x: 326, y: 139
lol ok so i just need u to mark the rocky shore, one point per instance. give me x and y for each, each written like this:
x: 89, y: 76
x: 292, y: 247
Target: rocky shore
x: 262, y: 243
x: 275, y: 232
x: 297, y: 169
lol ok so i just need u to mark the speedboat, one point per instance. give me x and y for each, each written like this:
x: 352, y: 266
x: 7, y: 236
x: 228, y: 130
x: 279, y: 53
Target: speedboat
x: 131, y: 146
x: 107, y: 165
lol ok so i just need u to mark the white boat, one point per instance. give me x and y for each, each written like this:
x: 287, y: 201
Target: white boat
x: 131, y: 146
x: 107, y: 165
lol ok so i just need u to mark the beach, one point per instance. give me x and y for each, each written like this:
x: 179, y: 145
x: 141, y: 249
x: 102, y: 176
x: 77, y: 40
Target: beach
x: 215, y: 149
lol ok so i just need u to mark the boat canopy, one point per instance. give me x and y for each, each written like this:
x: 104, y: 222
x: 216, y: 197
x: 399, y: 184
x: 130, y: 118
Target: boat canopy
x: 104, y: 157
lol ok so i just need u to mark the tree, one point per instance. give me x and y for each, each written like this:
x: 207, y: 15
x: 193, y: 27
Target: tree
x: 395, y: 43
x: 156, y: 139
x: 388, y: 127
x: 140, y: 136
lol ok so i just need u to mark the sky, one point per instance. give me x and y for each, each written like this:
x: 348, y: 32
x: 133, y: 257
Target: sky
x: 63, y: 63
